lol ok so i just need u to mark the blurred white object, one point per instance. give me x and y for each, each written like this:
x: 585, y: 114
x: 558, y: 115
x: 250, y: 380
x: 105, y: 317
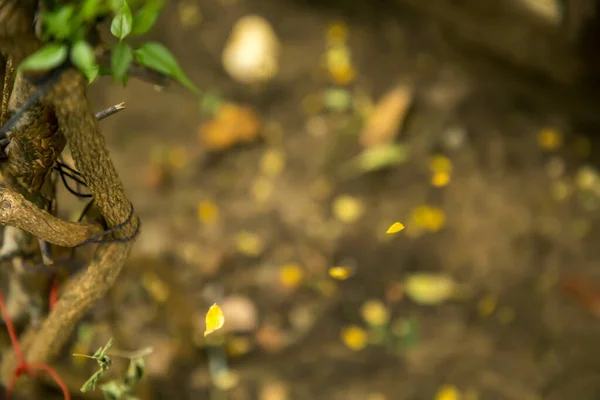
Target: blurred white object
x: 550, y: 10
x: 251, y: 54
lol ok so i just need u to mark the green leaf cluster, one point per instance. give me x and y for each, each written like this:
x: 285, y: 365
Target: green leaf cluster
x: 66, y: 27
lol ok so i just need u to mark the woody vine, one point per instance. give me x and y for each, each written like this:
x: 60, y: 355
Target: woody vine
x: 50, y: 51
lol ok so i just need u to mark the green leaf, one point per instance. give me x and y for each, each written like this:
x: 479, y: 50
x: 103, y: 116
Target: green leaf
x: 58, y: 23
x: 82, y: 56
x: 90, y: 9
x: 92, y: 74
x: 145, y: 18
x: 122, y: 22
x: 157, y: 57
x: 120, y: 60
x: 48, y: 57
x: 116, y: 5
x: 135, y: 371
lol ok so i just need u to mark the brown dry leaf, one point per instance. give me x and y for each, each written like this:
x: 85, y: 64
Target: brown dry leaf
x: 233, y: 124
x: 583, y: 292
x: 386, y: 118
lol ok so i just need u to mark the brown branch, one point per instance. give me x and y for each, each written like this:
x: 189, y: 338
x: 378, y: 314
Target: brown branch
x: 78, y: 124
x: 20, y: 213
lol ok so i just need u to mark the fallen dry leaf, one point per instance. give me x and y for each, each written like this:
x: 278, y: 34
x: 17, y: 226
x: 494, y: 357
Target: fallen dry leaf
x: 214, y: 319
x: 386, y: 118
x: 429, y: 289
x: 395, y: 228
x: 233, y: 124
x: 583, y: 292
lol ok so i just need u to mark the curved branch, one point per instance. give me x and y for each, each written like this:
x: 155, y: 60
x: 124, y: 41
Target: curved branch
x: 20, y: 213
x: 78, y: 124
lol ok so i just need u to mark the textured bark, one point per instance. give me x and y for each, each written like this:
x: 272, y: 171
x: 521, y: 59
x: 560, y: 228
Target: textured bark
x: 67, y: 105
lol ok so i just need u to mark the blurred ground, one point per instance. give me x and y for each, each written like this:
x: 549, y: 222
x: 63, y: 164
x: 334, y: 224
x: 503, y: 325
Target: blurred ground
x: 255, y: 227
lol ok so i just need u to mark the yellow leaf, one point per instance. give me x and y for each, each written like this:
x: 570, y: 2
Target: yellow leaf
x: 158, y: 289
x: 291, y: 275
x: 354, y: 337
x: 272, y: 162
x: 249, y: 244
x: 340, y: 273
x: 550, y: 139
x: 387, y: 117
x: 447, y: 393
x: 487, y: 305
x: 440, y: 179
x: 348, y: 209
x: 375, y: 313
x: 429, y: 289
x: 178, y: 157
x: 395, y: 228
x: 440, y: 163
x: 337, y: 32
x: 214, y: 319
x: 208, y: 212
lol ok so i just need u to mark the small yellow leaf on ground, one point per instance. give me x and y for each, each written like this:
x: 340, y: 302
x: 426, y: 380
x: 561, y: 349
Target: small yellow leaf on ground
x: 231, y: 125
x: 348, y: 209
x: 262, y: 189
x: 429, y: 218
x: 238, y: 346
x: 386, y: 118
x: 158, y: 289
x: 440, y: 163
x: 375, y: 313
x: 447, y: 393
x: 440, y: 179
x: 342, y: 74
x: 208, y: 212
x: 487, y: 305
x: 178, y: 157
x: 337, y: 32
x: 189, y: 14
x: 249, y: 244
x: 341, y: 273
x: 273, y: 162
x: 395, y: 228
x: 214, y: 319
x: 291, y: 275
x: 586, y: 178
x: 429, y: 289
x: 354, y: 337
x: 550, y: 139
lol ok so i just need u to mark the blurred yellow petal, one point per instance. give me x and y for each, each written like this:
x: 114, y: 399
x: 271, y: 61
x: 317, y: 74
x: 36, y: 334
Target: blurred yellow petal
x: 348, y: 209
x: 440, y: 179
x: 337, y: 32
x: 291, y: 275
x: 340, y: 273
x: 395, y: 228
x: 214, y: 319
x: 375, y: 313
x: 429, y: 289
x: 440, y: 163
x: 447, y: 393
x: 208, y: 212
x: 549, y: 139
x: 354, y: 337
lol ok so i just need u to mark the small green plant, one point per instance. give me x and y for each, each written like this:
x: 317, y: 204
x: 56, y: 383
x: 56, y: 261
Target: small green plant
x: 103, y: 361
x: 120, y: 388
x: 68, y: 28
